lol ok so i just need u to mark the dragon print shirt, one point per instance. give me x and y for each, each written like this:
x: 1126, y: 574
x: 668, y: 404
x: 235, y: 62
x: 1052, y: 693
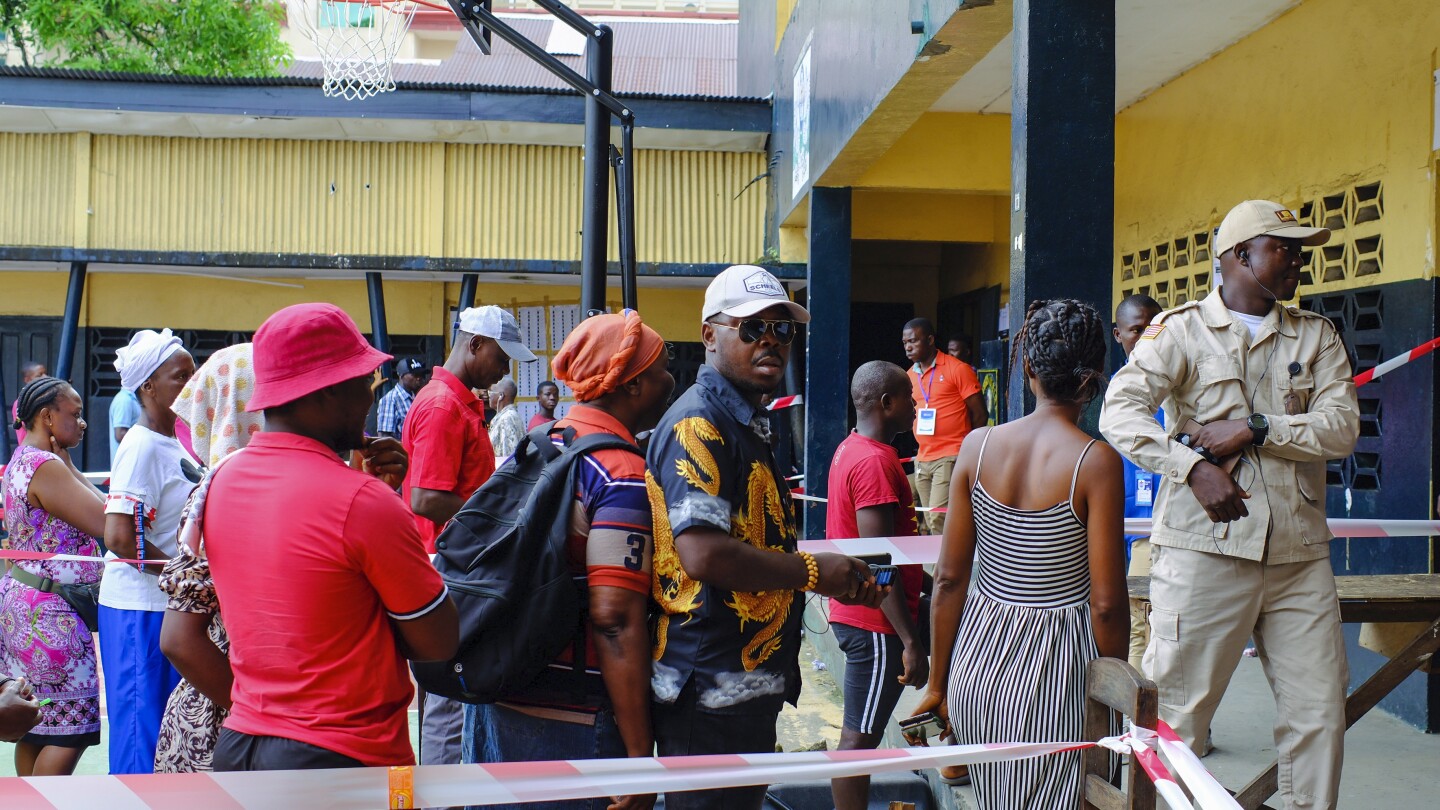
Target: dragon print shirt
x: 711, y: 466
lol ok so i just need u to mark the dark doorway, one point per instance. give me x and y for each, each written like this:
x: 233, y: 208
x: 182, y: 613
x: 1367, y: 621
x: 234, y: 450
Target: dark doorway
x: 875, y: 335
x: 23, y: 339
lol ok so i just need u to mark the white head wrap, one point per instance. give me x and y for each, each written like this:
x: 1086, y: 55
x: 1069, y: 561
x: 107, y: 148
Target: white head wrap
x: 147, y: 351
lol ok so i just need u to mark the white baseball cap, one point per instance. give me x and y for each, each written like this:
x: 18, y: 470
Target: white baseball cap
x: 744, y: 290
x: 1254, y: 218
x: 499, y: 325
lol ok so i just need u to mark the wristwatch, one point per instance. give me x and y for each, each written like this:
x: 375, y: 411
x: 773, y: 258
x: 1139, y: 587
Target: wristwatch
x: 1260, y: 426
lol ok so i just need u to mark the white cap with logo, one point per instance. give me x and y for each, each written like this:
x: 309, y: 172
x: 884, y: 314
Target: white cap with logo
x: 745, y: 290
x: 500, y: 326
x: 1254, y: 218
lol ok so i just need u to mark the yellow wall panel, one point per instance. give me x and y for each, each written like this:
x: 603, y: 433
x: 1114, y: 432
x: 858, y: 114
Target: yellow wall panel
x: 524, y: 202
x: 927, y: 217
x: 947, y: 152
x: 1330, y: 97
x: 38, y: 206
x: 261, y: 196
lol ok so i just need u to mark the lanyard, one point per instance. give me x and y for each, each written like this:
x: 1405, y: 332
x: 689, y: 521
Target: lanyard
x: 925, y: 392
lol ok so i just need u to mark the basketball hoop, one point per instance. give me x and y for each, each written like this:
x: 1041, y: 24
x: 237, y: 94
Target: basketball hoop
x: 358, y: 41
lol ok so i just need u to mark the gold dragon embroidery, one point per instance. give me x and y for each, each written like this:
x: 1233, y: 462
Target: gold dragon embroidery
x: 703, y: 473
x: 673, y: 590
x: 762, y: 502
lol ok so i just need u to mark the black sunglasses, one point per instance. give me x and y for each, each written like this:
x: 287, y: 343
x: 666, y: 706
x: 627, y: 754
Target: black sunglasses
x: 751, y: 329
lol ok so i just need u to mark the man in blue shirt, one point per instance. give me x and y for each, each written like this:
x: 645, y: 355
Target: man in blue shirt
x: 1131, y: 318
x: 124, y: 413
x: 395, y: 405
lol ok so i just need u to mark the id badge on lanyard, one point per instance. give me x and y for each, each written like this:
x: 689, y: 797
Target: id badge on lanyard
x: 1144, y: 488
x: 925, y: 422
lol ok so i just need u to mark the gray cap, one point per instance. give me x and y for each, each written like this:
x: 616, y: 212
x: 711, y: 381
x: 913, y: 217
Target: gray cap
x: 745, y: 290
x: 500, y: 326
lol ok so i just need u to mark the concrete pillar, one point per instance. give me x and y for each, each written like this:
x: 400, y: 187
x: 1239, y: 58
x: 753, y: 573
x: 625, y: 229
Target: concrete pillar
x: 1062, y: 136
x: 827, y: 356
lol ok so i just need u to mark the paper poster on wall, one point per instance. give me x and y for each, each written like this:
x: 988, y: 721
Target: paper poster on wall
x: 800, y: 125
x: 990, y: 387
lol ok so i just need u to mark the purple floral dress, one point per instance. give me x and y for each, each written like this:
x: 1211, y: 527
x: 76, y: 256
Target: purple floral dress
x: 41, y: 638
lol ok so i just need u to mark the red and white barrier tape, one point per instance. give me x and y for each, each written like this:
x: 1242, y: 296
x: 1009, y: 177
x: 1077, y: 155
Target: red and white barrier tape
x: 441, y: 785
x: 925, y: 550
x: 781, y: 403
x: 1398, y: 361
x: 907, y: 550
x: 798, y: 493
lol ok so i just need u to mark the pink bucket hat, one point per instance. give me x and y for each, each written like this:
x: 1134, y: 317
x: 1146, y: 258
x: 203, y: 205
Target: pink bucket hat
x: 304, y: 348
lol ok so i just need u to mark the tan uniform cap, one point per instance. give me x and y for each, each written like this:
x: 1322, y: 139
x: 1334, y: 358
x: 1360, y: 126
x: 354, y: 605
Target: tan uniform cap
x: 1254, y: 218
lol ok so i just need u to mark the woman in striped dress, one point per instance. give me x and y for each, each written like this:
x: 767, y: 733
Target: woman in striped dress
x: 1042, y: 503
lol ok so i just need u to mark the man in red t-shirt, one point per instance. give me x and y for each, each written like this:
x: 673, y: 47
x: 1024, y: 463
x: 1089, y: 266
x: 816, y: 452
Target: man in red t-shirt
x: 948, y: 405
x: 547, y: 396
x: 325, y: 588
x: 450, y: 457
x: 870, y: 497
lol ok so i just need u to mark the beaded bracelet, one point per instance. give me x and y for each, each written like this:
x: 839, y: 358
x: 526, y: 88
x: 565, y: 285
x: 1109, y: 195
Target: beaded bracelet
x: 812, y: 570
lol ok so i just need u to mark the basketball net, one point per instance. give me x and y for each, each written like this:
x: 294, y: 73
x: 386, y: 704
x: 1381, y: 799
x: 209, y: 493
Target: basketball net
x: 358, y: 41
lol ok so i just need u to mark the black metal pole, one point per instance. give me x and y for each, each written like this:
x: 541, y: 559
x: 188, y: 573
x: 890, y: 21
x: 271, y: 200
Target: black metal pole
x: 595, y: 230
x: 467, y: 300
x: 5, y: 428
x: 625, y: 215
x: 70, y: 327
x: 379, y: 334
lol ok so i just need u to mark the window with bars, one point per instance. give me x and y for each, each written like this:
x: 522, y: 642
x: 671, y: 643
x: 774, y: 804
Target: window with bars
x: 1179, y: 270
x: 1359, y: 315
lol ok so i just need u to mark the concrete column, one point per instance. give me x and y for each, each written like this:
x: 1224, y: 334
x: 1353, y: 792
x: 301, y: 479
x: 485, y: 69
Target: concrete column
x: 1062, y: 136
x: 827, y: 356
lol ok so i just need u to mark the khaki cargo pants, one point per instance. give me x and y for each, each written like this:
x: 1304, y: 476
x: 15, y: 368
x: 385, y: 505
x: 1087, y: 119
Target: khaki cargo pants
x: 1203, y: 609
x: 932, y: 484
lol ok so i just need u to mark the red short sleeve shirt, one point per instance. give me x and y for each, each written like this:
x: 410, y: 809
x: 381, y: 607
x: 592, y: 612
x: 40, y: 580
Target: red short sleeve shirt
x: 312, y: 562
x: 448, y: 444
x: 866, y: 473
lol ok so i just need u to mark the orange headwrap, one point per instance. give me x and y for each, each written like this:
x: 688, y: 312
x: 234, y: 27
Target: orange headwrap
x: 605, y: 352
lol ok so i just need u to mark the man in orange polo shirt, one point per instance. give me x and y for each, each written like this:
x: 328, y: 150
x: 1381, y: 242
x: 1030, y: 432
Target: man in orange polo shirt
x: 948, y: 404
x: 450, y: 457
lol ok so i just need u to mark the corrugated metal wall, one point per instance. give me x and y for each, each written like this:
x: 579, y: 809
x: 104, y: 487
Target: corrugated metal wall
x: 393, y: 199
x: 38, y: 191
x: 244, y: 195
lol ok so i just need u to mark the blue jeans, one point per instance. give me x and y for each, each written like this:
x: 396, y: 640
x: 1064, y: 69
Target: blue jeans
x: 500, y: 734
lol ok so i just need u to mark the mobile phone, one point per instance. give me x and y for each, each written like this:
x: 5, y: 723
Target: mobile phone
x: 922, y: 726
x: 874, y: 559
x: 884, y: 574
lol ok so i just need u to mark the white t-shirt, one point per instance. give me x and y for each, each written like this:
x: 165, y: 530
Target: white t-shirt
x: 1252, y: 322
x: 147, y: 469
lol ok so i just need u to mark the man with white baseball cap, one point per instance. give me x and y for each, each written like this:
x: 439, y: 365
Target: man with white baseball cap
x: 728, y: 577
x: 450, y: 457
x: 1264, y: 390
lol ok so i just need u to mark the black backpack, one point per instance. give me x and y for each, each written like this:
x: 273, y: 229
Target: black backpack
x: 503, y: 556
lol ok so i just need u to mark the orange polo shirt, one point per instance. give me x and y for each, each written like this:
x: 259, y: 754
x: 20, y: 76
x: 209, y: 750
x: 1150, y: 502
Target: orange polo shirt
x: 944, y: 386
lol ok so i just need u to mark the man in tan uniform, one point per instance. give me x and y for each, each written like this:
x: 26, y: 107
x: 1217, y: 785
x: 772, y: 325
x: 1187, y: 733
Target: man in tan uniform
x: 1248, y: 554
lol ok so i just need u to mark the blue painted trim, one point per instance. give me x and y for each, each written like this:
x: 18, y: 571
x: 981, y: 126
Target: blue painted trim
x: 322, y: 261
x: 430, y: 104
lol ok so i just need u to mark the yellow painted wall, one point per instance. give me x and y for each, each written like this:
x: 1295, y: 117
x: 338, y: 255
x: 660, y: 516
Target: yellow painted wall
x: 925, y: 217
x: 1331, y: 95
x: 965, y: 152
x: 133, y: 300
x: 359, y: 198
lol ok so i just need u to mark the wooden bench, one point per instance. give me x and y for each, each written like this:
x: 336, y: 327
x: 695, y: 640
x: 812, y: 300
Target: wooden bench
x: 1379, y: 599
x: 1112, y: 684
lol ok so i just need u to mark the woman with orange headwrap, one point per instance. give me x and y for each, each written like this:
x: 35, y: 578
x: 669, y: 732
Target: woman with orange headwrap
x: 617, y: 367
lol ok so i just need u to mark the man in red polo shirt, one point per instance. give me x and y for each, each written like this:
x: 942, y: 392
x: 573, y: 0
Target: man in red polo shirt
x: 450, y: 457
x: 948, y: 405
x: 325, y: 586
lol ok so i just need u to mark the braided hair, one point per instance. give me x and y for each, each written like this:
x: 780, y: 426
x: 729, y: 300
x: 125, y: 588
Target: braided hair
x: 39, y: 393
x: 1064, y: 342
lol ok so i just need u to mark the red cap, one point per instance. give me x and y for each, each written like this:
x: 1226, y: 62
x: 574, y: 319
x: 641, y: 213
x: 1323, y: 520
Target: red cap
x: 304, y: 348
